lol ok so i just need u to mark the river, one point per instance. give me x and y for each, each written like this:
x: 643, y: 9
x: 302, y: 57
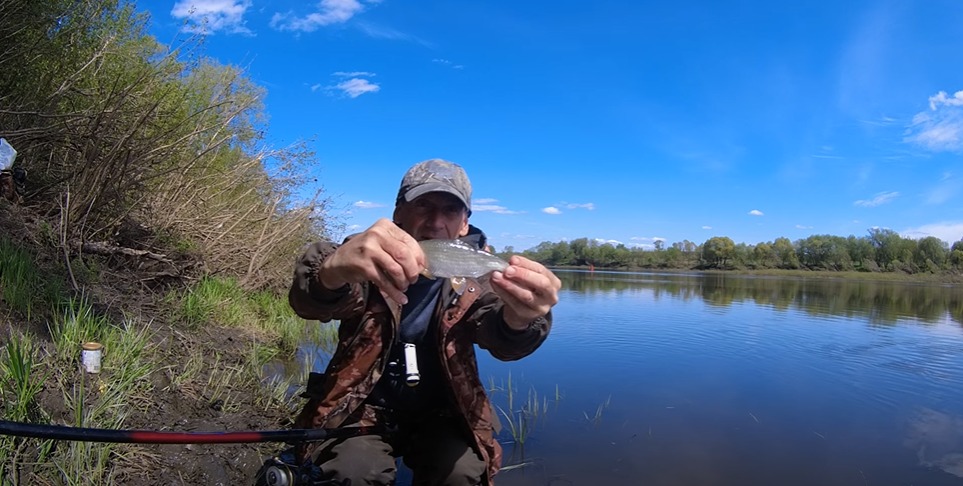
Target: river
x: 692, y: 379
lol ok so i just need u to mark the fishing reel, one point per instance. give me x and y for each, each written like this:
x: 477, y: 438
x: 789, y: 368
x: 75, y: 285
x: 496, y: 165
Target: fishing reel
x: 281, y: 471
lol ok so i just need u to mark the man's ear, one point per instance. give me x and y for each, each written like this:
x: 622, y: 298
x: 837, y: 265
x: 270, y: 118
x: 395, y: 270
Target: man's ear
x: 464, y: 227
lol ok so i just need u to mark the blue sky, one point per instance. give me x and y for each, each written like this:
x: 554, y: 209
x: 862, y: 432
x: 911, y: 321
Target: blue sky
x: 623, y: 121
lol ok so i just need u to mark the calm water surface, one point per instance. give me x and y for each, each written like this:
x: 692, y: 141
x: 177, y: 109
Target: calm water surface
x: 669, y: 379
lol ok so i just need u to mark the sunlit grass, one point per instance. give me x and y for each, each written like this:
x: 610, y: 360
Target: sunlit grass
x: 222, y: 301
x: 103, y: 400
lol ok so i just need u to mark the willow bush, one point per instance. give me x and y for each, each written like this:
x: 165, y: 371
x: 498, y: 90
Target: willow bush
x: 115, y: 128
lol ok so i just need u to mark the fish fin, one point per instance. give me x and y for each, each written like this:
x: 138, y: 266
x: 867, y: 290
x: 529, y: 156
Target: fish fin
x: 425, y: 273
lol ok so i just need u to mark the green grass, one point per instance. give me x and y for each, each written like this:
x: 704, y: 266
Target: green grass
x: 222, y: 301
x: 102, y: 400
x: 23, y: 286
x: 21, y: 381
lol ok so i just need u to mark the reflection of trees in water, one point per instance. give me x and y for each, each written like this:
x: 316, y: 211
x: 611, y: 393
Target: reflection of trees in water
x: 882, y: 303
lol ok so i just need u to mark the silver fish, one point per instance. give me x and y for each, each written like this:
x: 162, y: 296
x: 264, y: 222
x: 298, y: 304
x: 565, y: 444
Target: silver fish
x: 455, y: 258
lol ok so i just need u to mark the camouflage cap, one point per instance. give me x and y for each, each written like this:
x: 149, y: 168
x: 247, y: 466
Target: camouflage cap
x: 435, y: 175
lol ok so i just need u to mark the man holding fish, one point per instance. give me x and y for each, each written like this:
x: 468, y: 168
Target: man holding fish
x: 414, y: 296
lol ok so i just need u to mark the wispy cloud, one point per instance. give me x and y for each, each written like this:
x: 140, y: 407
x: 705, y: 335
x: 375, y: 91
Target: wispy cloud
x: 446, y: 62
x: 879, y: 199
x: 755, y: 212
x: 946, y: 189
x: 551, y: 210
x: 211, y: 16
x: 353, y: 74
x: 387, y: 33
x: 328, y: 12
x: 803, y: 227
x: 367, y: 205
x: 948, y: 231
x: 603, y: 241
x: 488, y: 205
x: 941, y: 128
x: 707, y: 227
x: 352, y: 88
x: 589, y: 206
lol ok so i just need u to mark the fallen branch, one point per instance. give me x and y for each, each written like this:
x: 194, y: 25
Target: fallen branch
x: 106, y: 249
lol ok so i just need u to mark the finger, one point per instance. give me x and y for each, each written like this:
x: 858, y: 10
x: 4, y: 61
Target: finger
x: 522, y: 262
x: 516, y: 299
x: 389, y: 271
x: 541, y: 286
x: 521, y: 296
x: 408, y: 255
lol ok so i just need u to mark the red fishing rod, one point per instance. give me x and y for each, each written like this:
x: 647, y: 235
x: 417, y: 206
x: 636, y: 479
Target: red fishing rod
x: 62, y: 432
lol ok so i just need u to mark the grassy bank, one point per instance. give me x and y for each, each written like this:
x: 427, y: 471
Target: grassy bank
x: 203, y: 368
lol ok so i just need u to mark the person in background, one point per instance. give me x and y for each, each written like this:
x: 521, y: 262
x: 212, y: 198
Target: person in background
x: 442, y: 426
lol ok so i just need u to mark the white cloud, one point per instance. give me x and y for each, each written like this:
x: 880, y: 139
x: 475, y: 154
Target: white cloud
x: 755, y: 212
x: 353, y: 74
x: 881, y: 198
x: 603, y: 241
x: 948, y: 231
x: 551, y: 210
x: 356, y: 87
x: 803, y: 227
x: 941, y: 128
x: 492, y: 208
x: 646, y: 239
x: 488, y: 205
x: 367, y: 205
x: 315, y: 87
x: 328, y: 12
x: 589, y: 206
x: 210, y: 16
x: 448, y: 63
x: 354, y: 227
x: 707, y: 227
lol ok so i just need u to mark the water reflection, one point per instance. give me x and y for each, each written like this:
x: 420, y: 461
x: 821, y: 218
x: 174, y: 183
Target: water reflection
x: 881, y: 303
x: 937, y: 439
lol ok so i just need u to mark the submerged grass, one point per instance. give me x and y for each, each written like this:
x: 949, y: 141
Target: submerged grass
x: 520, y: 418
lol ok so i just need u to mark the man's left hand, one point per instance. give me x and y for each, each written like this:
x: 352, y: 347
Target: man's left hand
x: 528, y: 289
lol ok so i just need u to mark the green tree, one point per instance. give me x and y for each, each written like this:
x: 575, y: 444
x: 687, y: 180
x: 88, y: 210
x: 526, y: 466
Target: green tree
x: 717, y: 251
x: 785, y: 253
x: 931, y: 253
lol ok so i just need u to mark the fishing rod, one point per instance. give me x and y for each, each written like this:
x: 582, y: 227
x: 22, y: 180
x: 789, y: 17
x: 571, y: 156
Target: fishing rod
x: 63, y: 432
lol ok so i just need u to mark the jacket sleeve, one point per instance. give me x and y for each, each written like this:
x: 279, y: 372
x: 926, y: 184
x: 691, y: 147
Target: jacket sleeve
x: 493, y: 334
x: 311, y: 300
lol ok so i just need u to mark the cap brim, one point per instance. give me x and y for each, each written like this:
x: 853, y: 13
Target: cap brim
x: 423, y: 189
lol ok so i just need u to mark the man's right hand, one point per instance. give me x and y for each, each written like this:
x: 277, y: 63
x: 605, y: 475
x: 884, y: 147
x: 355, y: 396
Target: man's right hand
x: 384, y: 254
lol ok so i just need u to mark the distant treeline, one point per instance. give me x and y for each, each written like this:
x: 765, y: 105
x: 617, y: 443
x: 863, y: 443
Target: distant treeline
x: 882, y: 250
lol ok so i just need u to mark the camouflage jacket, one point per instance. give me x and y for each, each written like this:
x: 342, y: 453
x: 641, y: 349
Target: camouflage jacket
x: 468, y: 313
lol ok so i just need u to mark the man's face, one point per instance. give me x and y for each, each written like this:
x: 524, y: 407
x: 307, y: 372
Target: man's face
x: 435, y: 215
